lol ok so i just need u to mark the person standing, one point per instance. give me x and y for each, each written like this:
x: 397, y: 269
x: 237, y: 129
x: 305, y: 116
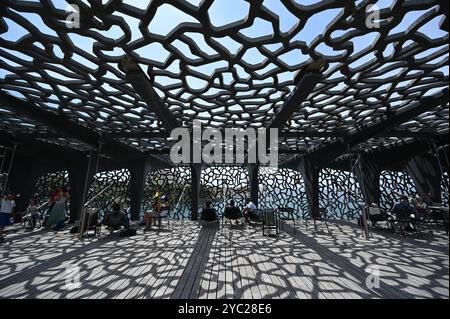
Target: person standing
x: 32, y: 210
x: 7, y: 208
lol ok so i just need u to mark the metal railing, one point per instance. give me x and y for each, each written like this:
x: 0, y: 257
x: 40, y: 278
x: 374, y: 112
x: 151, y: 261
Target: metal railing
x: 85, y: 209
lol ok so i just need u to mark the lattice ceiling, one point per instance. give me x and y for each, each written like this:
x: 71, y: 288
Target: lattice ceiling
x: 230, y: 63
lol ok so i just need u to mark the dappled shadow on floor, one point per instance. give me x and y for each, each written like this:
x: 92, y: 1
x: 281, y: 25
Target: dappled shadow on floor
x: 188, y: 261
x: 412, y: 267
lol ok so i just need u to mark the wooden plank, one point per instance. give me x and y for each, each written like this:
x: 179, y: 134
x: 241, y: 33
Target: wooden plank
x: 327, y: 291
x: 230, y: 264
x: 50, y: 268
x: 148, y: 277
x: 208, y: 272
x: 168, y: 246
x: 354, y: 272
x: 220, y: 279
x: 199, y: 268
x: 167, y: 274
x: 214, y: 257
x: 279, y: 273
x: 153, y: 284
x: 187, y: 280
x: 229, y: 284
x: 94, y: 276
x: 184, y: 259
x: 198, y: 239
x: 258, y: 273
x: 261, y: 261
x: 238, y: 283
x: 23, y: 250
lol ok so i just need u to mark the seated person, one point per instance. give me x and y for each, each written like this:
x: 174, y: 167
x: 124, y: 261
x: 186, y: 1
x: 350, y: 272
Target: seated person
x: 420, y: 206
x: 116, y: 218
x: 164, y: 204
x: 160, y: 204
x: 163, y: 208
x: 250, y: 211
x: 376, y: 214
x: 403, y: 209
x: 404, y: 213
x: 232, y: 212
x: 208, y: 214
x: 56, y: 214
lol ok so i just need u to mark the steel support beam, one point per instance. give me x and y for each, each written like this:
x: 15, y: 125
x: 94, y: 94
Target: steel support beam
x: 141, y: 84
x: 325, y: 153
x: 63, y: 124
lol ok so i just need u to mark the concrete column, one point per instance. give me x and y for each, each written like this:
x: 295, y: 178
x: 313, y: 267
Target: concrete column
x: 79, y: 177
x: 427, y: 177
x: 196, y: 173
x: 139, y: 169
x: 310, y: 173
x: 25, y: 172
x: 253, y: 182
x: 367, y: 172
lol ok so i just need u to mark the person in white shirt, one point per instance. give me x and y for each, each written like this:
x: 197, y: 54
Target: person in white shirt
x: 249, y: 210
x: 6, y: 210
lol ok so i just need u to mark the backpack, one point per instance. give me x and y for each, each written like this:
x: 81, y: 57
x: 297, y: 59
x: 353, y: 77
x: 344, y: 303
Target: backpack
x: 127, y: 232
x: 74, y: 229
x: 59, y: 225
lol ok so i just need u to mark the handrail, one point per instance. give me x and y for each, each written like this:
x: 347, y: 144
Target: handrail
x: 5, y: 186
x: 3, y: 159
x: 97, y: 195
x: 42, y: 206
x: 179, y: 200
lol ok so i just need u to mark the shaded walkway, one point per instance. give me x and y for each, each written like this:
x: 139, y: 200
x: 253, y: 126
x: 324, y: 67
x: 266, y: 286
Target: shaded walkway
x: 188, y: 261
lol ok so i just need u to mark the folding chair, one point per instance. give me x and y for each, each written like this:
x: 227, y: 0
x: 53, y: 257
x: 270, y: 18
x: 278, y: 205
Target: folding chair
x: 422, y: 219
x: 323, y: 215
x: 270, y: 222
x: 287, y: 213
x: 225, y: 219
x: 403, y: 219
x: 375, y: 215
x: 91, y: 222
x: 164, y: 214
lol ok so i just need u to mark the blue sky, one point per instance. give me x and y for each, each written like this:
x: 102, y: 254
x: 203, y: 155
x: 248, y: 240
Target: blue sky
x: 222, y: 13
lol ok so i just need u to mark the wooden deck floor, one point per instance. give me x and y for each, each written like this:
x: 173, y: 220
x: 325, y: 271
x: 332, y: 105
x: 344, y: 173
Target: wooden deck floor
x: 188, y: 261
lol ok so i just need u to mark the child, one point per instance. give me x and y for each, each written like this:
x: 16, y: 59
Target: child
x: 32, y: 209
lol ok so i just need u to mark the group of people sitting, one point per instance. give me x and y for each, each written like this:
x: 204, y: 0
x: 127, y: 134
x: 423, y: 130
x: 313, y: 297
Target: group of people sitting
x: 232, y: 212
x: 413, y: 207
x: 54, y: 217
x: 56, y: 206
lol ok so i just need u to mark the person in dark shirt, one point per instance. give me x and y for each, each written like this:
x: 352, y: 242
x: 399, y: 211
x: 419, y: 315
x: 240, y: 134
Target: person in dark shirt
x: 232, y: 212
x: 208, y: 213
x: 404, y: 214
x: 116, y: 218
x: 403, y: 209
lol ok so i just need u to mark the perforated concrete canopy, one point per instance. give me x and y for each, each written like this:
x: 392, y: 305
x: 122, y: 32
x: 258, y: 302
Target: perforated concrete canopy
x: 320, y: 71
